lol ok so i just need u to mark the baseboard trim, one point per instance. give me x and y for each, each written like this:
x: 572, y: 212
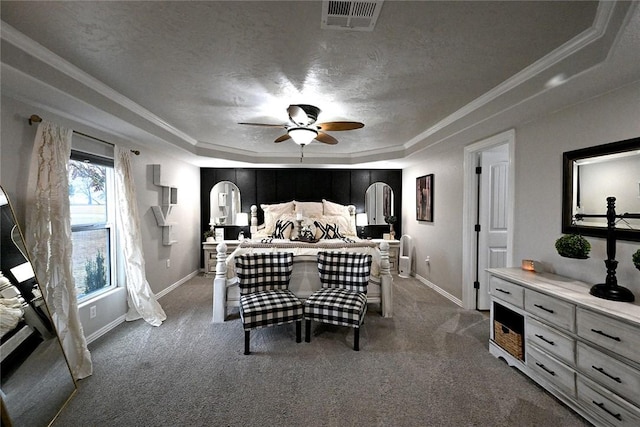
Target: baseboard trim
x: 168, y: 289
x: 447, y: 295
x: 108, y: 327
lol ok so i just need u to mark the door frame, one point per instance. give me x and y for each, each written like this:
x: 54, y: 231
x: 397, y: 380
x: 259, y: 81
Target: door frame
x: 469, y: 207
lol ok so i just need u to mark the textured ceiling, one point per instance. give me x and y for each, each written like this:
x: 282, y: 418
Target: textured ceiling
x: 199, y: 68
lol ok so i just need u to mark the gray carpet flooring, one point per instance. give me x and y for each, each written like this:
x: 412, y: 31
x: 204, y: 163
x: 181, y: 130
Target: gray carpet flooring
x: 429, y: 365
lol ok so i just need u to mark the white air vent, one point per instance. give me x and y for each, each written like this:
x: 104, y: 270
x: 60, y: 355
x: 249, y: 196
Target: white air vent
x: 350, y: 15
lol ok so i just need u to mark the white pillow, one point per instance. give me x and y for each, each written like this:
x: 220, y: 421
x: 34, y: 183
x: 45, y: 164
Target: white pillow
x: 309, y: 209
x: 273, y: 212
x: 331, y: 208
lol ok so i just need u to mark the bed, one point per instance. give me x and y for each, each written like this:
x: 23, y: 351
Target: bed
x: 304, y: 229
x: 13, y: 328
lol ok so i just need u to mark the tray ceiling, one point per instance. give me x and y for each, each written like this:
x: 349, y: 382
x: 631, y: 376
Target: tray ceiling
x: 186, y: 73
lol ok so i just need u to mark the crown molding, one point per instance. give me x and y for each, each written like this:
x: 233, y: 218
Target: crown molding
x: 600, y: 25
x: 41, y: 53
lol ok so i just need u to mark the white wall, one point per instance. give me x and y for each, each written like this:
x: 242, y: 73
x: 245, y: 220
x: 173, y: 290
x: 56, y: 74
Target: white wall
x: 538, y: 193
x: 15, y: 152
x: 539, y: 147
x: 440, y: 240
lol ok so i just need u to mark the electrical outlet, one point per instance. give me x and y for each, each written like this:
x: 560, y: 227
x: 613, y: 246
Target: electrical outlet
x: 168, y: 263
x: 92, y: 312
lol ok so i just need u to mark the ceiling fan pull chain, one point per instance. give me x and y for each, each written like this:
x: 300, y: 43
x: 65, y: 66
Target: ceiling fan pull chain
x: 301, y: 152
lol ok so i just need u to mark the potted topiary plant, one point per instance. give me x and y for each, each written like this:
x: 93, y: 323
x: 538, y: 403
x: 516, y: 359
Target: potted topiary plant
x: 208, y: 236
x: 573, y: 246
x: 636, y: 259
x: 391, y: 219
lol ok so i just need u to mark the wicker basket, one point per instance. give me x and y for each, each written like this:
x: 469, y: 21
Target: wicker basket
x: 508, y: 339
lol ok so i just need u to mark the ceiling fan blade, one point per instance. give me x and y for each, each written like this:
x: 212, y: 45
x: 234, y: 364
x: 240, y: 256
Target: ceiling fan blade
x: 283, y: 138
x: 326, y: 138
x: 334, y: 126
x: 264, y: 124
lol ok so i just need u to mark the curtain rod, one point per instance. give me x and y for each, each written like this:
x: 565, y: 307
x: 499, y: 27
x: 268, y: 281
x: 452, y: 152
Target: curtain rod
x: 37, y: 119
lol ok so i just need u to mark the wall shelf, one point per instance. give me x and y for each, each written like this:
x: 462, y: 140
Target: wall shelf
x: 169, y: 198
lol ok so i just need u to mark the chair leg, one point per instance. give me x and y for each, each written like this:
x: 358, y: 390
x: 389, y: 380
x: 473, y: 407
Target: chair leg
x: 356, y: 339
x: 298, y: 330
x: 307, y: 330
x: 247, y: 335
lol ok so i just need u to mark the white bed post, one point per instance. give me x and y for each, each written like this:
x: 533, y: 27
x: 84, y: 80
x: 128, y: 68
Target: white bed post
x: 254, y: 220
x: 220, y: 285
x: 352, y: 217
x: 386, y: 281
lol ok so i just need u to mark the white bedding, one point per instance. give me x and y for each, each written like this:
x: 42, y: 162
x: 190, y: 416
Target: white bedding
x: 11, y: 312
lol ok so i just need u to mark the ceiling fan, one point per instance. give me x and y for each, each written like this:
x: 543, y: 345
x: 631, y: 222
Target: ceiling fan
x: 302, y: 127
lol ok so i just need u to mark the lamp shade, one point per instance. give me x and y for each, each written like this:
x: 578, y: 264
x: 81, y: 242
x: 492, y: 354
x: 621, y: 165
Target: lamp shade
x: 302, y: 136
x: 242, y: 219
x: 361, y: 220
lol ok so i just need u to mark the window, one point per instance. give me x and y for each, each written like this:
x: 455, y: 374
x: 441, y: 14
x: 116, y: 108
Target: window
x: 91, y: 199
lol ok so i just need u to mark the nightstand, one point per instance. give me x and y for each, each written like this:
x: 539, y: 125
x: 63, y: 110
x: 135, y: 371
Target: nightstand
x: 394, y: 253
x: 211, y: 254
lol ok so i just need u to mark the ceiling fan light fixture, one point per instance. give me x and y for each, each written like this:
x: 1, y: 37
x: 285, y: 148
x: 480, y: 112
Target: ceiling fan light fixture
x: 302, y: 136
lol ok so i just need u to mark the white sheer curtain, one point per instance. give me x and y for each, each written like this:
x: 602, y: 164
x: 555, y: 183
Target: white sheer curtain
x: 48, y: 237
x: 142, y: 302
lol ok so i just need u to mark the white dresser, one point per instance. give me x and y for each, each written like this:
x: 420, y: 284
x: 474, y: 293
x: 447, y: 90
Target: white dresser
x: 582, y: 349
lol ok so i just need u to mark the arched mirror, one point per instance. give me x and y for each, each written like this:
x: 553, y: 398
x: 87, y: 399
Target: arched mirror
x: 379, y: 203
x: 224, y: 204
x: 36, y: 379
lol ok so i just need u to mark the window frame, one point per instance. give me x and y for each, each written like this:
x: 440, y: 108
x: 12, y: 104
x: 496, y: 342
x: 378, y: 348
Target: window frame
x: 109, y: 225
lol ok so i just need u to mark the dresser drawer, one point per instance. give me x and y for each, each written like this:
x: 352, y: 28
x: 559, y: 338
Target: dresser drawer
x: 612, y: 334
x: 551, y: 340
x: 551, y: 370
x: 606, y: 405
x: 507, y: 291
x: 553, y: 310
x: 618, y: 377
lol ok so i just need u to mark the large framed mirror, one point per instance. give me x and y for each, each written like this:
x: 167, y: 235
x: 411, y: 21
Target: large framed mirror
x: 36, y: 379
x: 225, y: 204
x: 379, y: 203
x: 590, y: 175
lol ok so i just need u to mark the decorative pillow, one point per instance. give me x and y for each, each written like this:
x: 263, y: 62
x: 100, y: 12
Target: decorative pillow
x: 273, y: 212
x: 331, y: 208
x: 283, y: 229
x: 309, y: 209
x: 327, y: 231
x: 342, y: 222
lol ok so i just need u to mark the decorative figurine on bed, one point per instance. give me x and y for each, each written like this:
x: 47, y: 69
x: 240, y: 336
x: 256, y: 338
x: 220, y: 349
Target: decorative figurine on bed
x: 306, y: 235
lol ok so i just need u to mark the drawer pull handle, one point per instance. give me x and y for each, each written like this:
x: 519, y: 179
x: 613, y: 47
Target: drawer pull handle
x: 605, y: 373
x: 541, y: 307
x: 545, y: 339
x: 597, y: 331
x: 601, y: 406
x: 503, y: 291
x: 549, y: 371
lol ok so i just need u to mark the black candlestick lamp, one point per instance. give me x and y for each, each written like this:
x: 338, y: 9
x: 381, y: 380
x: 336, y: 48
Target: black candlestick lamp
x: 610, y: 289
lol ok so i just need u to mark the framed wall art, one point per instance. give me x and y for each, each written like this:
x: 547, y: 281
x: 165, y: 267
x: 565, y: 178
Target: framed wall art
x: 424, y: 198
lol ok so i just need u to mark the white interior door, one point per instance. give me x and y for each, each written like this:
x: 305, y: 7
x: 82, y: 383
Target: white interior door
x: 493, y: 217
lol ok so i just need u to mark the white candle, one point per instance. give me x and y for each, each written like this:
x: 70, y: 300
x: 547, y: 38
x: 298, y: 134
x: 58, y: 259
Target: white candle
x: 299, y: 216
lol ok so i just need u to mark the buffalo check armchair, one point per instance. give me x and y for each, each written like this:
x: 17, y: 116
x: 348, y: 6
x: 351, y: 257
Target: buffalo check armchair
x: 265, y: 298
x: 343, y: 298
